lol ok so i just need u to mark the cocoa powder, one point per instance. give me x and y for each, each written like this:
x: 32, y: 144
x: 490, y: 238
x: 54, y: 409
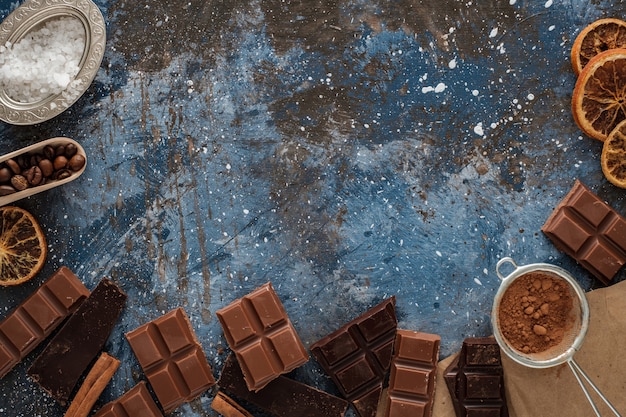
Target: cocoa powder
x: 535, y: 312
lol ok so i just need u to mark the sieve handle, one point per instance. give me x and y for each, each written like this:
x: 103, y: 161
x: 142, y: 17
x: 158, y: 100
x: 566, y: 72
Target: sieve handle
x: 580, y: 375
x: 500, y: 263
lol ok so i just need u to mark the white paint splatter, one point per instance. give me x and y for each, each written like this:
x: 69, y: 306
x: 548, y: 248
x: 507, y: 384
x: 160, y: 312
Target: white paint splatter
x: 548, y: 4
x: 530, y: 97
x: 439, y: 88
x: 439, y: 254
x: 478, y: 129
x: 452, y: 64
x: 477, y: 281
x: 493, y: 33
x: 475, y: 93
x: 512, y: 2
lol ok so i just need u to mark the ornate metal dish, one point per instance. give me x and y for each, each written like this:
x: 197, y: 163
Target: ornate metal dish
x: 30, y: 15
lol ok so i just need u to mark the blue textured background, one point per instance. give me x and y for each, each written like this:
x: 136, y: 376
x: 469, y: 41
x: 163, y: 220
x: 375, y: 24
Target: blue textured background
x: 346, y: 150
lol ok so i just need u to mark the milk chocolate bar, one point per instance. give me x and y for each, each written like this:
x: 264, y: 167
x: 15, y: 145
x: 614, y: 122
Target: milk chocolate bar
x: 283, y: 396
x: 590, y: 231
x: 358, y: 356
x: 70, y: 352
x: 413, y: 369
x: 135, y: 403
x: 475, y: 379
x: 260, y: 333
x: 35, y: 319
x: 172, y: 359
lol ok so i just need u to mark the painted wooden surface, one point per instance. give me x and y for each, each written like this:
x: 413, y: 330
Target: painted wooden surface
x: 346, y: 151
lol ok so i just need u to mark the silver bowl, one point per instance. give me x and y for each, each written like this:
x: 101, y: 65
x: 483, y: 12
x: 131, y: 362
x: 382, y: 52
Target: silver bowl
x: 30, y: 15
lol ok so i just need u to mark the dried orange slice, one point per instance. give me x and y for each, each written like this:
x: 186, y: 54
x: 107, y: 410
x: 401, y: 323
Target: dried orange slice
x: 599, y: 98
x: 614, y: 156
x: 599, y: 36
x: 23, y: 247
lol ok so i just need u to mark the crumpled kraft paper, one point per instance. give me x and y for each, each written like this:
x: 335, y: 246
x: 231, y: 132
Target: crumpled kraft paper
x: 554, y: 392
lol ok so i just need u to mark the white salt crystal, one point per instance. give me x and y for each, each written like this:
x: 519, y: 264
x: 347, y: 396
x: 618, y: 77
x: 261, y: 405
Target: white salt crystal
x: 44, y: 62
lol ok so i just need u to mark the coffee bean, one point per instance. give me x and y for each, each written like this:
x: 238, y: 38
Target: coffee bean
x: 5, y: 174
x: 59, y: 150
x: 47, y: 168
x: 49, y: 152
x: 34, y: 175
x: 60, y: 162
x: 19, y: 182
x: 76, y: 162
x: 62, y: 174
x: 14, y: 166
x: 6, y: 190
x: 70, y: 150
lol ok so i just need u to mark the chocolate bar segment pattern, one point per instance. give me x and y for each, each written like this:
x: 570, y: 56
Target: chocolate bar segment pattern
x: 70, y: 352
x: 135, y: 403
x: 413, y: 369
x: 475, y: 379
x: 358, y: 356
x: 590, y: 231
x: 282, y: 397
x: 257, y: 328
x: 35, y: 319
x: 172, y: 359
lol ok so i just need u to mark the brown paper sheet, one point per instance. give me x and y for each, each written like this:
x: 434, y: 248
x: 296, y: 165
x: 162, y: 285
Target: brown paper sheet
x: 554, y: 392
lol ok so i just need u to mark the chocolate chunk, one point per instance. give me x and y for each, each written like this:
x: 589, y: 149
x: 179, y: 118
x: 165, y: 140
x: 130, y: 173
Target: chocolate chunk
x: 260, y: 333
x: 135, y: 403
x: 283, y: 396
x: 413, y: 369
x: 172, y: 359
x: 475, y: 379
x: 590, y: 231
x: 71, y: 351
x: 42, y: 312
x: 358, y: 356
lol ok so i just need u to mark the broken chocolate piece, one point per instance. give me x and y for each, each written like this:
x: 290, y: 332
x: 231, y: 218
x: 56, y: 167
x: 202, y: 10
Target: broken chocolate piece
x: 135, y: 403
x: 358, y: 356
x: 37, y: 317
x: 70, y: 352
x: 260, y: 333
x: 172, y: 359
x: 475, y: 379
x: 590, y: 231
x: 413, y: 369
x: 282, y: 397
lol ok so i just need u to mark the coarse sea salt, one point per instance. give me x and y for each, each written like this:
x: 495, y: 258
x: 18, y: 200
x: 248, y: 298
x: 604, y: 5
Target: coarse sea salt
x: 44, y: 62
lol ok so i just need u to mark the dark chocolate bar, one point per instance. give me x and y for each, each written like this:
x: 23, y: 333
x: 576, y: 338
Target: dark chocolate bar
x: 475, y: 379
x: 135, y: 403
x: 358, y: 356
x: 35, y: 319
x: 413, y: 369
x: 70, y: 352
x: 283, y: 396
x: 260, y: 333
x: 172, y: 359
x: 590, y: 231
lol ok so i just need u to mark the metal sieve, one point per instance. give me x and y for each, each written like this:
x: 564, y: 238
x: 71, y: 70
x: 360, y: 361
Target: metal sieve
x: 572, y: 339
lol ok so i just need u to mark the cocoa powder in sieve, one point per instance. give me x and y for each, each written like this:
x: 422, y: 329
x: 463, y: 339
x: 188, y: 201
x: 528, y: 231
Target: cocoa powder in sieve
x: 535, y: 312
